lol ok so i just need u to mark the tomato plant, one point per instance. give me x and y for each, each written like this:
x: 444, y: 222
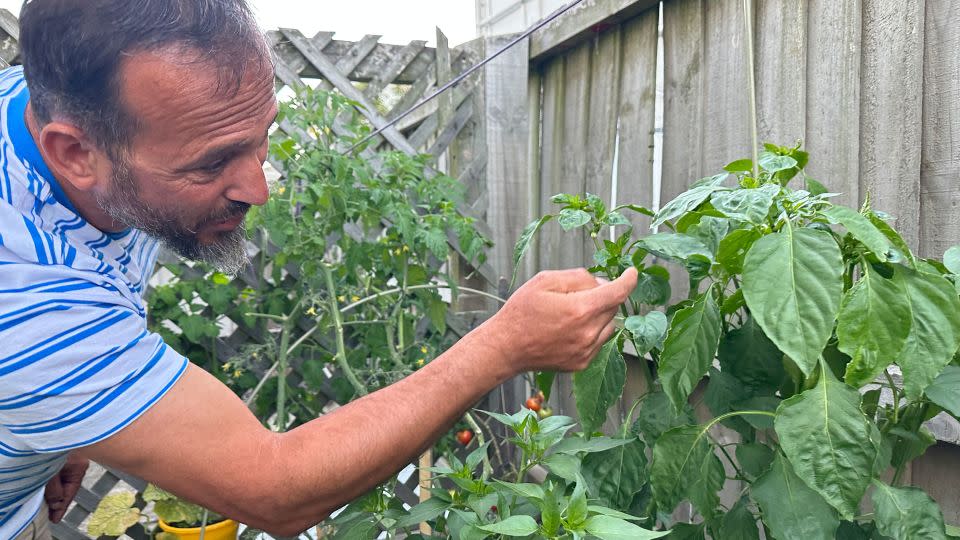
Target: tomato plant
x: 349, y: 291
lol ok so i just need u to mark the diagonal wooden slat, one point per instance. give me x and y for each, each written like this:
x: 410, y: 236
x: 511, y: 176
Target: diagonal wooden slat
x: 463, y: 91
x: 394, y: 68
x: 343, y: 84
x: 413, y: 95
x: 453, y: 128
x: 358, y: 53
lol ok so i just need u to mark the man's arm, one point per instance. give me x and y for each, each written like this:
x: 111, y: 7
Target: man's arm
x: 202, y: 443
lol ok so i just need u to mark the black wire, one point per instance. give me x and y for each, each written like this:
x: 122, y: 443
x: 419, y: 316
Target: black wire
x: 550, y: 18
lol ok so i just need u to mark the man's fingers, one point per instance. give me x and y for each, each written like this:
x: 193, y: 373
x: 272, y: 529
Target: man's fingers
x: 569, y: 281
x: 613, y: 293
x: 54, y: 490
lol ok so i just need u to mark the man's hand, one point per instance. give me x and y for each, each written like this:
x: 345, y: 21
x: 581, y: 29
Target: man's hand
x: 62, y: 488
x: 559, y: 320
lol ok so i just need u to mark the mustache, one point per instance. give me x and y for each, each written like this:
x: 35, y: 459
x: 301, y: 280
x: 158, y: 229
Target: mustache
x: 234, y: 209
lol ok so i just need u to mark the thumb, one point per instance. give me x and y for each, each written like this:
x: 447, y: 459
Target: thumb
x: 615, y: 292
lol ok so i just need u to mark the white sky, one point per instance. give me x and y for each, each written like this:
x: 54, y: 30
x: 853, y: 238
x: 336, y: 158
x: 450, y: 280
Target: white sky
x: 398, y: 21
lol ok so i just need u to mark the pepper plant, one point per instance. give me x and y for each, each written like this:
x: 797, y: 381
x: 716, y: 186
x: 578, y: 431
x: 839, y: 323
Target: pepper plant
x: 813, y: 332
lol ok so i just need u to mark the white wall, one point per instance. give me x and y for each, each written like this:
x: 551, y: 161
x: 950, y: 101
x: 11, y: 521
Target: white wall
x: 499, y: 17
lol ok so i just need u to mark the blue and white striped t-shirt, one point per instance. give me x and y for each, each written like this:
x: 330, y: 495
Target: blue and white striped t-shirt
x: 77, y: 363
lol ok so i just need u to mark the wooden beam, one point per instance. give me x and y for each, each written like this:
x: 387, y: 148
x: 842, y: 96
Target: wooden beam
x: 581, y: 22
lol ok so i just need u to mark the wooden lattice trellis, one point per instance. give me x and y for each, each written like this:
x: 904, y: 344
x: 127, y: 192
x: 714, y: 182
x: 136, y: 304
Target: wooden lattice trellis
x: 448, y: 128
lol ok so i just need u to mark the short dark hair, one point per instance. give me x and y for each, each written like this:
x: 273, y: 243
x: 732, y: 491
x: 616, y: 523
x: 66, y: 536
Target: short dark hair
x: 72, y: 51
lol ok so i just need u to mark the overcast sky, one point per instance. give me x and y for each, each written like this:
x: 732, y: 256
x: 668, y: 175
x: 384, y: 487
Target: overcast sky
x: 398, y: 21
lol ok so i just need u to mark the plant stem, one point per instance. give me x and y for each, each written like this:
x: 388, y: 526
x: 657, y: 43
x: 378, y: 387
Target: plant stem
x: 487, y: 468
x: 341, y: 356
x: 896, y: 396
x: 626, y: 423
x: 733, y: 463
x: 282, y: 373
x: 428, y: 286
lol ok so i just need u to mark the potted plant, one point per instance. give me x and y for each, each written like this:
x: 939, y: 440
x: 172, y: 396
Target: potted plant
x: 177, y: 519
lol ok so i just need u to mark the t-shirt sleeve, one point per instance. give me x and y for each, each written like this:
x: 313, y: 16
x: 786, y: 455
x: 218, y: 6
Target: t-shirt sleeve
x: 75, y: 369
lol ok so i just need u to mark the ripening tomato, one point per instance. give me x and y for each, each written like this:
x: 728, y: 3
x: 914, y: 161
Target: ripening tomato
x: 464, y: 437
x: 533, y: 404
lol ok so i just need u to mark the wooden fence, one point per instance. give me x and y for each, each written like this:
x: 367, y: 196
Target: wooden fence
x: 872, y: 87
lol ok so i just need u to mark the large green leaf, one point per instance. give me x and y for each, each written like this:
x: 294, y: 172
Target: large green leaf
x: 686, y: 468
x: 656, y: 415
x: 750, y: 205
x: 945, y: 390
x: 722, y: 395
x: 648, y: 330
x: 599, y: 386
x: 523, y: 244
x: 902, y: 250
x: 653, y: 286
x: 675, y: 246
x: 733, y: 249
x: 690, y: 348
x: 611, y: 528
x: 615, y: 476
x: 739, y: 523
x: 870, y: 327
x: 862, y: 229
x: 747, y: 354
x: 790, y: 508
x: 425, y: 511
x: 754, y: 458
x: 688, y: 201
x: 711, y: 231
x: 830, y: 443
x: 934, y: 329
x: 907, y: 513
x: 951, y: 259
x: 792, y: 282
x: 512, y: 526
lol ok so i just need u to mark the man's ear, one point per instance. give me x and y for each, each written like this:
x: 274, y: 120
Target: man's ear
x: 72, y: 156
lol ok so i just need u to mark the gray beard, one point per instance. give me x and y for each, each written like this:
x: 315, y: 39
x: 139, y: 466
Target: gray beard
x: 227, y: 254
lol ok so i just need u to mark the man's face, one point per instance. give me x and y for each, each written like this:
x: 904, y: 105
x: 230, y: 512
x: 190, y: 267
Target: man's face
x: 195, y: 165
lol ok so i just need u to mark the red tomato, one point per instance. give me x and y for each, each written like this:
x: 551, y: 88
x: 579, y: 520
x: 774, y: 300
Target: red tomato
x: 533, y: 404
x: 464, y: 437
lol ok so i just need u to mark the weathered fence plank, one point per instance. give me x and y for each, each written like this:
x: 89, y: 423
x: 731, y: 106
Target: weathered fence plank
x: 833, y: 95
x: 725, y: 124
x: 781, y: 68
x: 892, y: 104
x: 940, y: 165
x: 638, y: 91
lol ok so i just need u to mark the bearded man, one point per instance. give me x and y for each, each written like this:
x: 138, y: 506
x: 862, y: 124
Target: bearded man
x: 133, y: 125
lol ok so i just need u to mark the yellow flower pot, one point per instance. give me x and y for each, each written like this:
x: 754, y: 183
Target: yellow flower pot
x: 225, y: 530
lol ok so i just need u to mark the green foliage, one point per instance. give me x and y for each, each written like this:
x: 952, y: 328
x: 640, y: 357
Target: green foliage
x: 350, y: 290
x: 797, y: 311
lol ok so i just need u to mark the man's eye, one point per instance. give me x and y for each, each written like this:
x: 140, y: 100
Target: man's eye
x: 214, y: 167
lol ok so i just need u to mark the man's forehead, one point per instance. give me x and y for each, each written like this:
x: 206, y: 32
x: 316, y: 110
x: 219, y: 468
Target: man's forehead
x: 167, y: 86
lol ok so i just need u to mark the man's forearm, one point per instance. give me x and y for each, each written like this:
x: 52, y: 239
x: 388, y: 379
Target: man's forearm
x: 344, y: 454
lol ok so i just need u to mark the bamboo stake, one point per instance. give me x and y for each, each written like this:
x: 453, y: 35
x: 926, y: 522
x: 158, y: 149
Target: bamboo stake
x: 426, y: 461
